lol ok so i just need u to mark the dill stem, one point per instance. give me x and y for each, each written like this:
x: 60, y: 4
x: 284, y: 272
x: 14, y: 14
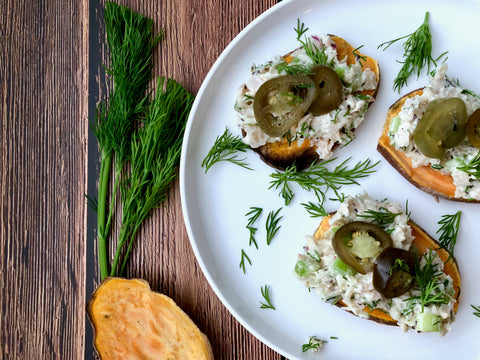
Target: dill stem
x: 104, y: 178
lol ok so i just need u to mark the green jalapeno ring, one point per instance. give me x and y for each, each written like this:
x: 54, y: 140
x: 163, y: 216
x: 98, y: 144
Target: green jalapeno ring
x: 473, y: 129
x: 442, y: 126
x: 371, y: 235
x: 281, y: 102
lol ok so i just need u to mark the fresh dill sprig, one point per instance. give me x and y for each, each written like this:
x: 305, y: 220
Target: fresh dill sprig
x: 156, y: 149
x: 266, y: 295
x: 254, y: 214
x: 319, y: 179
x: 271, y: 224
x: 313, y: 344
x: 225, y: 148
x: 476, y: 311
x: 473, y: 167
x: 417, y: 53
x: 130, y: 41
x: 292, y: 69
x: 427, y: 279
x: 449, y: 226
x: 242, y: 261
x: 358, y: 56
x: 315, y: 209
x: 317, y: 55
x: 382, y: 217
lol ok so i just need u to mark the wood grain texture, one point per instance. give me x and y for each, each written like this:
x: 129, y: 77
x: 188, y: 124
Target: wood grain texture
x: 43, y: 160
x: 196, y: 32
x: 50, y: 80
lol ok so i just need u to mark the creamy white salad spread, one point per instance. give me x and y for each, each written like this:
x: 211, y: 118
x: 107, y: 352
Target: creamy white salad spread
x: 316, y: 268
x: 403, y: 126
x: 323, y: 131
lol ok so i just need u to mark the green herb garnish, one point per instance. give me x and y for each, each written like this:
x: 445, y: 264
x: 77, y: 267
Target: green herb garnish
x: 476, y: 311
x: 254, y: 214
x: 271, y: 225
x: 242, y: 261
x: 473, y: 167
x: 156, y: 149
x: 130, y: 41
x: 449, y: 226
x: 359, y: 57
x: 266, y: 295
x: 292, y: 69
x: 318, y: 56
x: 225, y: 148
x: 382, y: 217
x: 417, y: 53
x: 314, y: 344
x: 319, y: 179
x: 427, y: 278
x: 315, y: 209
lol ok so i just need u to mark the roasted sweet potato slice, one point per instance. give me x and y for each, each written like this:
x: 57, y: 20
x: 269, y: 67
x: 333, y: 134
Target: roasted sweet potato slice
x: 133, y: 322
x: 423, y: 242
x: 424, y: 177
x: 282, y: 154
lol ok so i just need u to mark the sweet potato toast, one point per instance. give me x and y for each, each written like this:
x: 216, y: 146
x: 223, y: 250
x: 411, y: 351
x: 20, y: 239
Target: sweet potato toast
x: 423, y: 177
x: 423, y: 242
x: 285, y: 152
x: 133, y: 322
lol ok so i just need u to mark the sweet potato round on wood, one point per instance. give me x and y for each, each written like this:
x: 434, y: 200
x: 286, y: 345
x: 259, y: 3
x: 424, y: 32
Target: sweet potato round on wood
x: 423, y: 242
x: 282, y: 154
x: 133, y: 322
x: 423, y: 177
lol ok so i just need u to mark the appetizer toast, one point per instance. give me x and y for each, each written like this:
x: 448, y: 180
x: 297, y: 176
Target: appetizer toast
x: 317, y: 129
x: 423, y: 242
x: 424, y: 157
x: 370, y: 259
x: 133, y: 322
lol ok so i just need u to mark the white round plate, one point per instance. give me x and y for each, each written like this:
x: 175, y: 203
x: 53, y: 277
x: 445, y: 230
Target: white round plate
x: 215, y: 203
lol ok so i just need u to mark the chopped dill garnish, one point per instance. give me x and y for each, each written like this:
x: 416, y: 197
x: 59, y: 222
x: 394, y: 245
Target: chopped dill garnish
x: 271, y: 225
x: 473, y: 167
x: 254, y: 214
x: 476, y: 311
x: 266, y: 295
x: 417, y: 53
x: 449, y: 226
x: 319, y: 179
x: 313, y: 344
x: 382, y: 217
x: 242, y: 261
x: 225, y: 148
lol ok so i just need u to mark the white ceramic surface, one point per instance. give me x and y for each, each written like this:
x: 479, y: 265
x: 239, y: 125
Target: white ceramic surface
x: 215, y: 204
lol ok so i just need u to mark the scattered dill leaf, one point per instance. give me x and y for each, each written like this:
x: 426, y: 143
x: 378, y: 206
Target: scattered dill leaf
x: 449, y: 226
x: 271, y: 225
x: 473, y: 167
x: 319, y: 179
x: 476, y: 311
x: 242, y: 261
x: 225, y: 148
x: 266, y: 295
x: 254, y: 214
x: 315, y: 209
x: 382, y: 217
x: 314, y: 344
x: 417, y: 53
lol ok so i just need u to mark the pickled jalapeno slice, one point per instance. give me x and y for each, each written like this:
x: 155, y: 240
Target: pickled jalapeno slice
x: 358, y: 243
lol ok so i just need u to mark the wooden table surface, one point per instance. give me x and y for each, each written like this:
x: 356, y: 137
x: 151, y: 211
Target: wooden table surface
x: 51, y: 79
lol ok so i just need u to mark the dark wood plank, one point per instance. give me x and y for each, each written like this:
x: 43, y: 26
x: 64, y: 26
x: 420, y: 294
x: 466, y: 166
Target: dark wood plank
x: 43, y: 160
x: 196, y: 32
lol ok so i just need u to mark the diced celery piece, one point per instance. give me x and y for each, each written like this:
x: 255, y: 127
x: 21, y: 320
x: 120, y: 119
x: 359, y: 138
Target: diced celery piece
x: 302, y: 269
x: 341, y: 268
x: 394, y: 125
x: 428, y: 322
x: 340, y: 72
x: 334, y: 229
